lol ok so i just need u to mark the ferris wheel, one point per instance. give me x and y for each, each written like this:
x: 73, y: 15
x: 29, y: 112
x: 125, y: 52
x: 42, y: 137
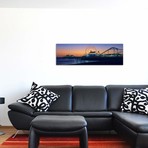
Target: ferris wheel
x: 91, y: 50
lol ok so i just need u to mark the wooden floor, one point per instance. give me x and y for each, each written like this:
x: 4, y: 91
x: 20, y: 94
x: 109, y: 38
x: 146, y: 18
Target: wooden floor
x: 9, y: 131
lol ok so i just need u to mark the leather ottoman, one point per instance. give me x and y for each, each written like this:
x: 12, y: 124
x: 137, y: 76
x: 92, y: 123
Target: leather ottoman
x: 54, y: 125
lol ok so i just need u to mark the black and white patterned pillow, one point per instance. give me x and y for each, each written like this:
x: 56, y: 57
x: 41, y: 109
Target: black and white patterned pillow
x: 135, y: 100
x: 39, y: 98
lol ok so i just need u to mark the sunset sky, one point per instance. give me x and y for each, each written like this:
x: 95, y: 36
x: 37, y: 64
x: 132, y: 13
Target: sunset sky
x: 81, y: 49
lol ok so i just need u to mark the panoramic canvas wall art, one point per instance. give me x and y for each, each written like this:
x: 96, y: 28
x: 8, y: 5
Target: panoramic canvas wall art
x: 89, y: 54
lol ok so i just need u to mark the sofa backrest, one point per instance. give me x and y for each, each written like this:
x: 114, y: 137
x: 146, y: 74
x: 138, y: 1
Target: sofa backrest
x: 89, y: 98
x: 64, y: 103
x: 115, y: 95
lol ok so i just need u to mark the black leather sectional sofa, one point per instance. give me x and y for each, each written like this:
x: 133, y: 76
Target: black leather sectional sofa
x: 100, y: 105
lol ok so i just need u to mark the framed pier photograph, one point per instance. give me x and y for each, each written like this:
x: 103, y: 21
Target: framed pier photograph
x: 89, y: 54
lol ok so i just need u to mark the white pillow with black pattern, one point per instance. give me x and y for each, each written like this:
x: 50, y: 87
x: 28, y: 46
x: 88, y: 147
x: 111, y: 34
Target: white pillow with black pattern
x: 135, y: 100
x: 39, y: 98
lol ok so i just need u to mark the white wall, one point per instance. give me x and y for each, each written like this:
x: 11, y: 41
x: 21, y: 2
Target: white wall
x: 28, y: 40
x: 77, y: 4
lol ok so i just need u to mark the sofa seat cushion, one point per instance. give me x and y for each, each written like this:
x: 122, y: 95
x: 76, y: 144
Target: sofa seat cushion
x: 85, y: 114
x: 136, y: 122
x: 52, y: 113
x: 94, y: 114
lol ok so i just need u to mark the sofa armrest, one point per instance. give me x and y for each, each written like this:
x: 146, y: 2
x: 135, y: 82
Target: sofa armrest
x: 23, y: 108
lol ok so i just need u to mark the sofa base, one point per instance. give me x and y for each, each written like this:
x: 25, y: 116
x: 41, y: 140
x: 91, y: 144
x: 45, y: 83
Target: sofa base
x: 19, y: 120
x: 22, y: 121
x: 99, y: 123
x: 137, y: 140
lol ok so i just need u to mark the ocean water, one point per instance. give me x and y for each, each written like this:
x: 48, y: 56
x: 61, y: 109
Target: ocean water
x: 70, y: 61
x: 95, y: 61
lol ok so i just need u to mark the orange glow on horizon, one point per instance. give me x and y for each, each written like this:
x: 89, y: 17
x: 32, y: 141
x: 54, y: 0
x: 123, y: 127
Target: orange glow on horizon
x: 78, y: 52
x: 74, y: 52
